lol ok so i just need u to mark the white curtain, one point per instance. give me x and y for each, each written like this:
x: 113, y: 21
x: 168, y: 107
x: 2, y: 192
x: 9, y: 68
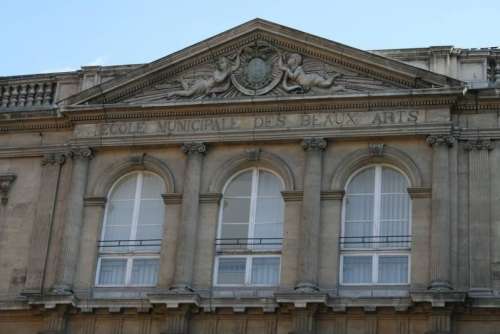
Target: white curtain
x: 393, y: 269
x: 357, y: 269
x: 231, y: 270
x: 395, y: 208
x: 144, y: 271
x: 265, y: 270
x: 359, y: 209
x: 112, y: 271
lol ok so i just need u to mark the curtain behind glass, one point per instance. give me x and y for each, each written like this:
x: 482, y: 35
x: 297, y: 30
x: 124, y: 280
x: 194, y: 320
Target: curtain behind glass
x: 393, y: 269
x: 395, y: 208
x: 357, y: 269
x: 266, y: 270
x: 359, y: 209
x: 112, y: 271
x: 144, y: 272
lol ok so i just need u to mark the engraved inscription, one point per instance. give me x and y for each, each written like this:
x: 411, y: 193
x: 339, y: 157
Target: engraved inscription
x: 320, y: 120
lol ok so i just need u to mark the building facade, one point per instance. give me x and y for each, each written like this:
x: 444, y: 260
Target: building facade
x: 262, y: 181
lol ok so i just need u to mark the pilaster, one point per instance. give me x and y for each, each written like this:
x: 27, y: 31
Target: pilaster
x: 311, y: 215
x: 479, y: 215
x: 303, y: 320
x: 441, y: 206
x: 189, y: 217
x: 68, y: 256
x: 44, y: 218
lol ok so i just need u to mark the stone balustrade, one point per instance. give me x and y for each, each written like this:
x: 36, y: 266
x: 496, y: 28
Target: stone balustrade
x: 22, y: 94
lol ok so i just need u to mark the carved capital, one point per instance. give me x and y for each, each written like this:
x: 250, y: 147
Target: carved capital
x: 376, y: 150
x: 195, y: 147
x: 84, y: 153
x: 6, y: 181
x: 314, y: 144
x: 437, y: 140
x: 333, y: 195
x: 54, y: 158
x: 479, y: 144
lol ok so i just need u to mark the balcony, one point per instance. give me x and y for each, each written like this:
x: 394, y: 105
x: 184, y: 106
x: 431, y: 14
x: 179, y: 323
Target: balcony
x: 238, y: 245
x: 376, y: 242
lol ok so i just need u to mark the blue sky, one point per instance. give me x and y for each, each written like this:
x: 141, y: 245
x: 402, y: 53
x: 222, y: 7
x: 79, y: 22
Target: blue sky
x: 60, y: 35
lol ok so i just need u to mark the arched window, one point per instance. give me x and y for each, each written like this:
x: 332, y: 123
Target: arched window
x: 250, y: 230
x: 375, y: 242
x: 132, y: 232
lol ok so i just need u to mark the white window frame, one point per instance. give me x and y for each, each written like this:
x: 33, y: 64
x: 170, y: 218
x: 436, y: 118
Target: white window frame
x: 375, y: 267
x: 248, y: 270
x: 253, y: 207
x: 128, y: 270
x: 375, y: 250
x: 133, y: 252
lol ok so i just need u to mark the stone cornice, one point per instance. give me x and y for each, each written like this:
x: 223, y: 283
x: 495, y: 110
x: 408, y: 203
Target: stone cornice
x: 66, y: 117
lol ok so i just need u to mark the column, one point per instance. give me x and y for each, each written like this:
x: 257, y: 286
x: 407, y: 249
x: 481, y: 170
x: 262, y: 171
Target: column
x: 495, y: 217
x: 440, y: 227
x: 189, y: 219
x: 68, y: 256
x: 311, y: 207
x: 44, y: 218
x: 479, y: 215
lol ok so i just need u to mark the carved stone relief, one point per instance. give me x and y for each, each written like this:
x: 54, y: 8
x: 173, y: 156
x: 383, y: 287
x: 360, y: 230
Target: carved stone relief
x: 259, y: 69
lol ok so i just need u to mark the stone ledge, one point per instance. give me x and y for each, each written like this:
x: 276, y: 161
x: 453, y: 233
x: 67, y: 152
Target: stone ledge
x: 301, y: 299
x: 174, y: 299
x: 438, y: 298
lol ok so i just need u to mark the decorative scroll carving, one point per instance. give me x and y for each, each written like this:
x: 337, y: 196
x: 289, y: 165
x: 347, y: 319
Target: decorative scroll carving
x: 436, y: 140
x: 479, y: 144
x: 253, y: 154
x: 310, y: 144
x: 376, y: 150
x: 54, y: 158
x: 190, y: 148
x: 85, y: 153
x: 6, y: 181
x: 296, y: 78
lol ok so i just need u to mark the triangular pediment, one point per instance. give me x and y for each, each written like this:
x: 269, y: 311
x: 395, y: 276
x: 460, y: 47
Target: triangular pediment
x: 260, y: 59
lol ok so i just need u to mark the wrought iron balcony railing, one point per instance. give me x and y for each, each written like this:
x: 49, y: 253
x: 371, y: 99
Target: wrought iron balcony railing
x: 228, y: 244
x: 379, y: 241
x: 128, y: 245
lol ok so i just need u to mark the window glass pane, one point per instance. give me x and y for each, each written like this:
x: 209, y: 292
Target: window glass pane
x: 394, y: 206
x: 125, y: 188
x: 274, y: 230
x: 231, y: 271
x: 393, y: 181
x: 359, y: 207
x: 266, y: 270
x: 236, y: 210
x: 357, y: 269
x: 269, y: 209
x: 354, y: 231
x: 120, y: 213
x: 269, y: 184
x: 234, y: 231
x: 393, y: 269
x: 363, y: 183
x: 152, y: 186
x: 112, y: 272
x: 151, y: 212
x: 240, y: 185
x: 144, y: 271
